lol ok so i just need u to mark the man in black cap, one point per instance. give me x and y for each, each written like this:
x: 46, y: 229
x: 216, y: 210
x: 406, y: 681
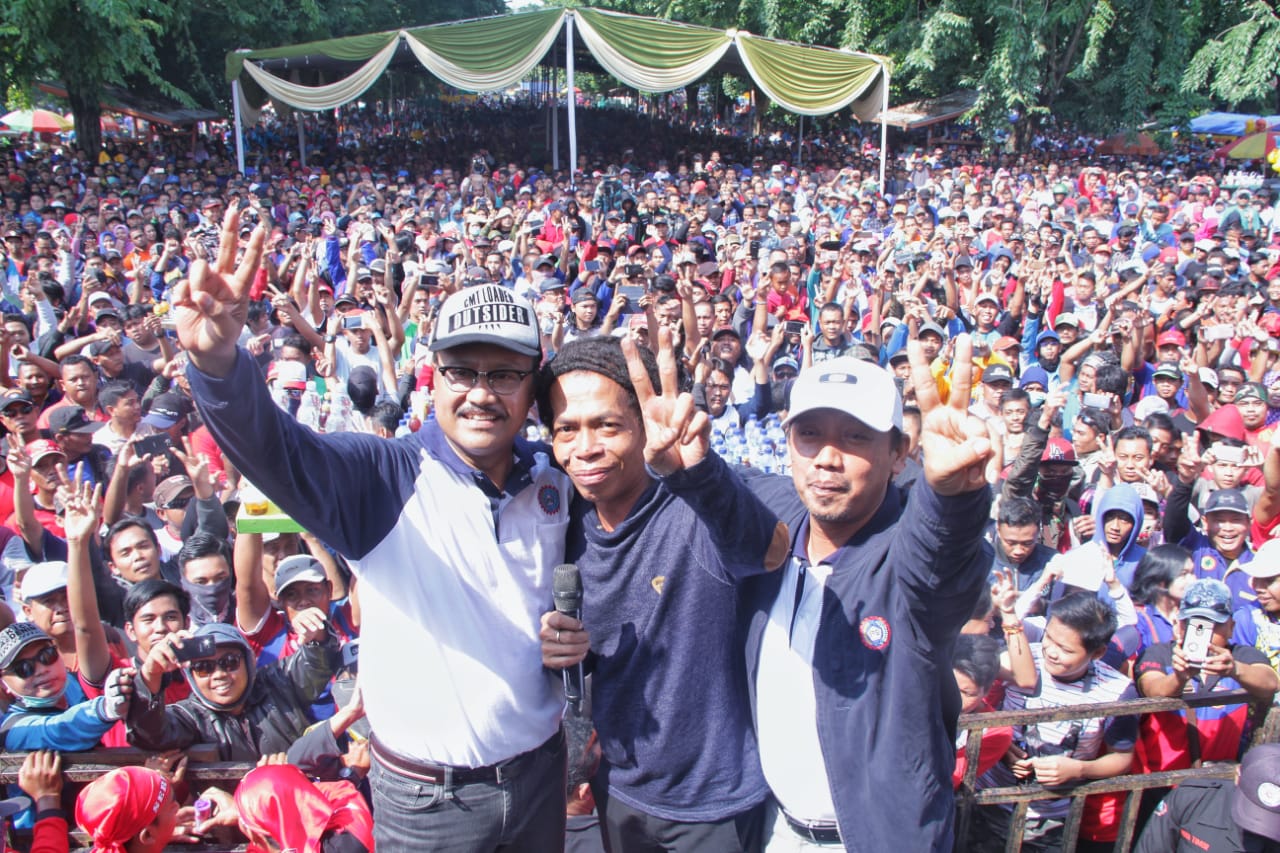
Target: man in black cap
x: 1217, y: 816
x: 18, y: 416
x: 996, y: 380
x: 73, y: 430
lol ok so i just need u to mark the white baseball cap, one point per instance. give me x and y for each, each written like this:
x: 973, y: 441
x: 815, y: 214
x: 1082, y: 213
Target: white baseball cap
x: 858, y: 388
x: 488, y: 314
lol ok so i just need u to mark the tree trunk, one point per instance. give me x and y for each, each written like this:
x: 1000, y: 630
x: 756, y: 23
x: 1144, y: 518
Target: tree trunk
x: 87, y: 111
x: 691, y: 101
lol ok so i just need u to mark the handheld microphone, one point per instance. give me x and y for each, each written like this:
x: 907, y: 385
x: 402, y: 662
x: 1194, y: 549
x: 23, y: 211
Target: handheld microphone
x: 566, y: 591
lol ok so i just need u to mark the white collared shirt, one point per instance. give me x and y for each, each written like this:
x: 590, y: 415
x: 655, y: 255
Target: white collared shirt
x: 786, y: 705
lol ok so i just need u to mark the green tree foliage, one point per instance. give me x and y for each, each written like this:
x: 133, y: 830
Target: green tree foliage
x: 1242, y: 61
x: 86, y: 44
x: 176, y: 48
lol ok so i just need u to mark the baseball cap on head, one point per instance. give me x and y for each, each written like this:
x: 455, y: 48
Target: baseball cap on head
x: 300, y: 567
x: 1265, y: 562
x: 1227, y: 500
x: 72, y: 419
x: 44, y: 578
x: 17, y: 637
x: 170, y: 489
x: 861, y: 390
x: 997, y: 372
x: 488, y: 314
x: 1059, y: 450
x: 167, y: 409
x: 1255, y: 803
x: 1208, y: 598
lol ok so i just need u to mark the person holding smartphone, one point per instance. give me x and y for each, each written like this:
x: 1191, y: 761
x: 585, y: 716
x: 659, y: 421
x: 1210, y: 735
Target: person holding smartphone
x: 1201, y: 658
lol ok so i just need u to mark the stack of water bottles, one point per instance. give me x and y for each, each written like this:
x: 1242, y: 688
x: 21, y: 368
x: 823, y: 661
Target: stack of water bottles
x: 331, y: 413
x: 757, y: 444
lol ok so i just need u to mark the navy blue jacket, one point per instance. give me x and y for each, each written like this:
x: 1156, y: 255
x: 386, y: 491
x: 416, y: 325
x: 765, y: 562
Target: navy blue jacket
x: 887, y: 704
x: 661, y: 605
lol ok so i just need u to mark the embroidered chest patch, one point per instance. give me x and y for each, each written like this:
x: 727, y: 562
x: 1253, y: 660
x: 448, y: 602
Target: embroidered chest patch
x: 875, y: 633
x: 549, y: 499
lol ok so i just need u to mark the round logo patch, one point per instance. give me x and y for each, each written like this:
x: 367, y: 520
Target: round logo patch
x: 549, y: 499
x: 875, y: 632
x: 1269, y: 794
x: 1207, y: 563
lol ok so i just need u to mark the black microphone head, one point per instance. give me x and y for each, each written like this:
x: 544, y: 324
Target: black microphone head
x: 566, y: 587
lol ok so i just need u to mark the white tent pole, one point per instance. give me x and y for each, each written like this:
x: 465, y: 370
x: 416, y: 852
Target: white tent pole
x: 800, y: 144
x: 555, y: 114
x: 884, y: 127
x: 573, y: 118
x: 235, y: 105
x: 302, y: 140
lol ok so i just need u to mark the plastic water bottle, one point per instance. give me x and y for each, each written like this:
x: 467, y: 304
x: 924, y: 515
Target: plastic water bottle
x: 309, y: 408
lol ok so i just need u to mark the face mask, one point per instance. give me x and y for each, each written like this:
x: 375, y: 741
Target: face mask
x: 1054, y: 488
x: 209, y: 602
x: 42, y: 703
x: 1037, y: 398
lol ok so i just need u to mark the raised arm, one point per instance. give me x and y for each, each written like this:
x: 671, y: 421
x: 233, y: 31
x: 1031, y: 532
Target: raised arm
x: 253, y: 602
x: 80, y: 520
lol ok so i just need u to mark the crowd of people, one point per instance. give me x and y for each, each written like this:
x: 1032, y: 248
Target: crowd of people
x: 834, y: 462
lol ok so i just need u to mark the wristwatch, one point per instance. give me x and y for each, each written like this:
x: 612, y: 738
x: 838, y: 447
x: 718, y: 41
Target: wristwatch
x: 328, y: 339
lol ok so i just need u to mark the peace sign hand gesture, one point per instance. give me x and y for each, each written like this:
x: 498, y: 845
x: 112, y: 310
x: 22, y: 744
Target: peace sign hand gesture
x: 955, y: 444
x: 211, y: 307
x: 677, y: 435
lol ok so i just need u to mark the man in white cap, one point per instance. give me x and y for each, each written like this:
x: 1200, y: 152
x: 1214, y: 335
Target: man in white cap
x: 847, y: 646
x: 453, y: 533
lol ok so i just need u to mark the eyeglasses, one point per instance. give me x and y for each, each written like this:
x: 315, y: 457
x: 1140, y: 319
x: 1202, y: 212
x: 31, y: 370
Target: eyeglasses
x: 463, y: 379
x: 26, y: 667
x: 18, y: 409
x: 228, y: 663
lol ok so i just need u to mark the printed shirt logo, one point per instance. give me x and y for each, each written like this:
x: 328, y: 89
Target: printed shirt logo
x: 657, y: 583
x: 1208, y: 563
x: 875, y: 633
x: 549, y: 499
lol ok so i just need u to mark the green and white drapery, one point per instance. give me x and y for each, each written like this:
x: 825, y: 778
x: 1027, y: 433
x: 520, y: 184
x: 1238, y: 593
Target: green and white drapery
x: 489, y: 54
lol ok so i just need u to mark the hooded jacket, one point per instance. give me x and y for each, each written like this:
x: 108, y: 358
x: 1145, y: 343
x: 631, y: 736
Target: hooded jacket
x: 1125, y: 498
x: 271, y: 715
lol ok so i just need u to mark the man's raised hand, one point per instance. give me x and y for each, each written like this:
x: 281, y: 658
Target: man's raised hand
x: 211, y: 307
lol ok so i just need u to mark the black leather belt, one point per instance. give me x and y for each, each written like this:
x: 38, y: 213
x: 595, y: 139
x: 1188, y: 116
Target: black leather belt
x: 819, y: 831
x: 440, y: 774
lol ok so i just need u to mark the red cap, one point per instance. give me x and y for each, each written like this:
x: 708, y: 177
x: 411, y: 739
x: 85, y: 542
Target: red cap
x: 42, y: 447
x: 1005, y: 342
x: 1058, y: 450
x: 113, y: 809
x: 1171, y: 338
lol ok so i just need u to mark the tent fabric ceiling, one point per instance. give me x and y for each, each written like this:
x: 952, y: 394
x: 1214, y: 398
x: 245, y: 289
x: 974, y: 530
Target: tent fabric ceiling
x: 489, y: 54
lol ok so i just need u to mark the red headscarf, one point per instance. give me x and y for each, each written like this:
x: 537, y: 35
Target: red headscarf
x: 116, y: 807
x: 278, y: 801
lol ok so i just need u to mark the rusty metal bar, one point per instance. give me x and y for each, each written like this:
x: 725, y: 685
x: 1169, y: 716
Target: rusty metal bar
x: 1071, y: 831
x: 972, y: 749
x: 1017, y: 826
x: 1136, y: 782
x: 1134, y: 707
x: 1128, y: 820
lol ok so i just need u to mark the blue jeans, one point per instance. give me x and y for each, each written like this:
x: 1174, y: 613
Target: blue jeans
x: 523, y: 811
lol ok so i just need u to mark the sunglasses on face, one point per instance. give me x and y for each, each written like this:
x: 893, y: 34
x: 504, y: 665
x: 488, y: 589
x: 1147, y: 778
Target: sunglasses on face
x: 26, y: 667
x: 228, y: 663
x: 19, y: 409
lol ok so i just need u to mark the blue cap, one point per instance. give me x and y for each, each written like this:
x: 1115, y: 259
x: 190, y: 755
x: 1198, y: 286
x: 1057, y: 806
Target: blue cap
x: 1208, y: 598
x: 1227, y: 500
x: 1034, y: 375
